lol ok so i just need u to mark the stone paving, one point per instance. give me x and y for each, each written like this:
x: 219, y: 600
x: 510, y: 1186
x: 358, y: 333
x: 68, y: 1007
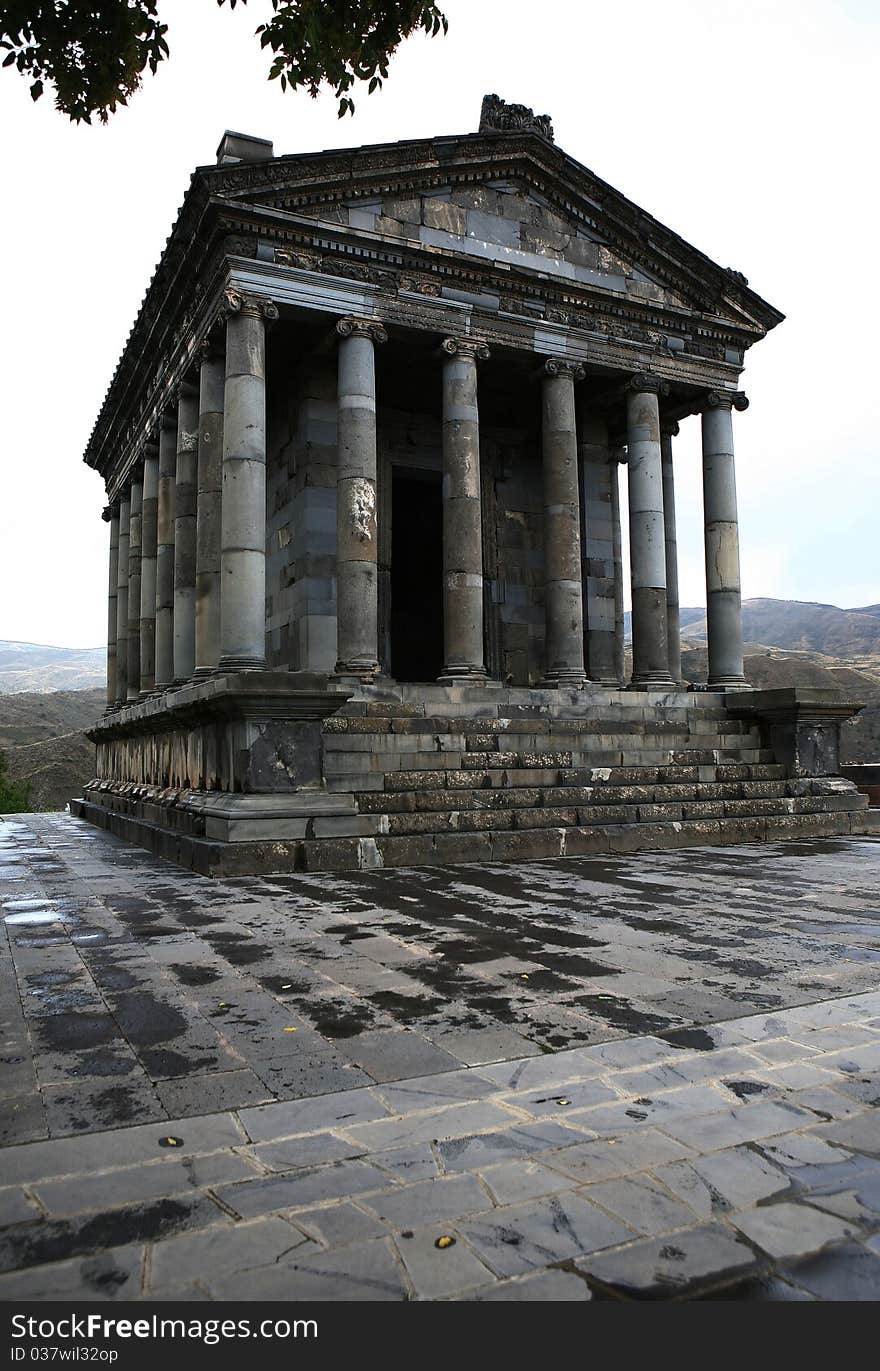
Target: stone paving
x: 622, y: 1077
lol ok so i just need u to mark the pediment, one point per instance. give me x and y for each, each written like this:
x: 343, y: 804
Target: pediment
x: 537, y: 212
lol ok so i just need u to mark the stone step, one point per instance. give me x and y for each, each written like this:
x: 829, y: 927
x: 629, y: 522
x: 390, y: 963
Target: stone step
x: 531, y: 797
x: 537, y: 844
x: 345, y: 724
x: 596, y: 815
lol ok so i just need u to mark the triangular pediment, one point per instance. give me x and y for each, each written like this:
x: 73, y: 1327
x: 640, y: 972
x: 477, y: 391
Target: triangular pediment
x: 519, y: 205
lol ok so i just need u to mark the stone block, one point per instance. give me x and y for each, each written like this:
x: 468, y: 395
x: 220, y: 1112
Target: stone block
x: 416, y: 780
x: 415, y: 850
x: 463, y: 847
x: 697, y: 1260
x: 441, y: 214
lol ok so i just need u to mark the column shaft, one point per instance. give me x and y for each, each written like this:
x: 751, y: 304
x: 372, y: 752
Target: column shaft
x: 185, y: 494
x: 208, y: 510
x: 356, y: 530
x: 243, y: 526
x: 647, y: 539
x: 149, y: 526
x: 122, y: 601
x: 723, y: 595
x: 133, y: 684
x: 112, y: 516
x: 563, y: 592
x: 673, y: 617
x: 462, y: 514
x: 165, y: 552
x: 617, y: 544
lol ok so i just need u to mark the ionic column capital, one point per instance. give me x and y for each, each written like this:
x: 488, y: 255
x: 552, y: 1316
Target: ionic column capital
x: 361, y: 328
x: 254, y: 306
x: 562, y: 366
x: 725, y: 399
x: 645, y: 383
x: 110, y: 511
x: 464, y: 347
x: 669, y: 428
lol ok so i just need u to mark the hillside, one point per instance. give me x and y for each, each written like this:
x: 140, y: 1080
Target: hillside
x: 798, y: 626
x: 802, y: 626
x: 42, y: 737
x: 35, y: 667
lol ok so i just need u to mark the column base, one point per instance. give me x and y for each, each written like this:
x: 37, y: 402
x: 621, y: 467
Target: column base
x: 563, y: 677
x: 463, y: 673
x: 728, y: 683
x: 238, y: 664
x: 362, y: 668
x: 202, y: 673
x: 652, y: 681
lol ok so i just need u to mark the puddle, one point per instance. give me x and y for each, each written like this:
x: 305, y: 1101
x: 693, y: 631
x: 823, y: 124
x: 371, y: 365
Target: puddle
x: 36, y: 918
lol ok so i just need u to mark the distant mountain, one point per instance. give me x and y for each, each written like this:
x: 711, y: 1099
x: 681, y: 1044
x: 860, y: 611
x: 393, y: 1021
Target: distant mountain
x: 799, y: 626
x: 35, y: 667
x: 42, y: 738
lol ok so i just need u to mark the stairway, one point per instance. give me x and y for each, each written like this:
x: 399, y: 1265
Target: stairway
x: 524, y: 782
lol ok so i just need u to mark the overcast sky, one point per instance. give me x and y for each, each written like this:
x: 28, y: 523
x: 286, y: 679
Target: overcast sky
x: 747, y: 126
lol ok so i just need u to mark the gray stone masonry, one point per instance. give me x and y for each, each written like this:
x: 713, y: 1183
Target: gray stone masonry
x: 133, y: 662
x: 122, y: 600
x: 208, y: 508
x: 563, y: 595
x: 723, y: 602
x: 462, y: 516
x: 347, y: 518
x: 243, y: 538
x: 356, y: 524
x: 111, y: 514
x: 149, y: 533
x: 185, y: 504
x: 165, y: 550
x: 646, y: 534
x: 673, y: 626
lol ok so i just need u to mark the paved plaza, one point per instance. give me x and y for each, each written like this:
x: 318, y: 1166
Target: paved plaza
x: 646, y: 1076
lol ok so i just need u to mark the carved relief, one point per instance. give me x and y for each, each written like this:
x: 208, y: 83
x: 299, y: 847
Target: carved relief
x: 497, y: 116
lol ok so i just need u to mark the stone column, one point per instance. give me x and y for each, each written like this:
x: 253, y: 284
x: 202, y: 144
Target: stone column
x: 209, y: 507
x: 149, y: 534
x: 122, y: 600
x: 133, y: 687
x: 165, y: 551
x: 669, y: 430
x: 598, y: 471
x: 356, y: 541
x: 646, y: 534
x: 462, y: 513
x: 563, y: 592
x: 243, y: 522
x: 111, y: 516
x: 723, y: 596
x: 618, y: 460
x: 185, y: 493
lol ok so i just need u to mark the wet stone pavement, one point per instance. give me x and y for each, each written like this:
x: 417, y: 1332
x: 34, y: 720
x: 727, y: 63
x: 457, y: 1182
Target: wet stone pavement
x: 652, y: 1076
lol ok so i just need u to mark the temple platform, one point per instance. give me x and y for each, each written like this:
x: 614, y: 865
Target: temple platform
x: 252, y: 772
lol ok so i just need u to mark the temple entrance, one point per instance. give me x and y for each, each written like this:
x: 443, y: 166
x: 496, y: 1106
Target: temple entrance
x: 416, y: 575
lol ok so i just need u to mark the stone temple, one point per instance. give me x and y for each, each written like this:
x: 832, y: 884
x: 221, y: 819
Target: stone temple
x: 362, y: 455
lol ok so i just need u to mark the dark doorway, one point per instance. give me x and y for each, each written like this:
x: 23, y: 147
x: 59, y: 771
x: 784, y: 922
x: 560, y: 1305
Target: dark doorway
x: 416, y: 575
